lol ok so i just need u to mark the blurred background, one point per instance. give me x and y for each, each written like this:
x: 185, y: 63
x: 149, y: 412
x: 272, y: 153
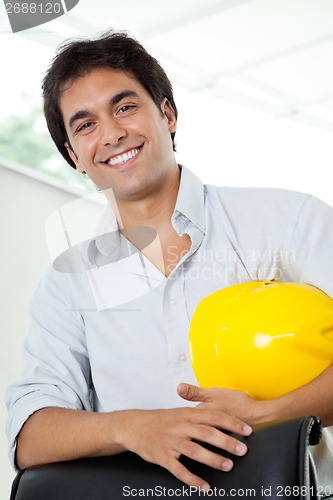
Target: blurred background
x: 253, y: 82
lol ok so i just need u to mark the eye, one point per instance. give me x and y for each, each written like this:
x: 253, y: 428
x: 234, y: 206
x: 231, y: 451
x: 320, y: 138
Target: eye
x: 84, y: 126
x: 125, y: 107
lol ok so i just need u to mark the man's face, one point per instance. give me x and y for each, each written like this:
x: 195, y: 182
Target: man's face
x: 117, y: 134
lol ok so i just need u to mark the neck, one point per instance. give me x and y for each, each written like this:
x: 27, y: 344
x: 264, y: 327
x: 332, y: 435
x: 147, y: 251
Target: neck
x: 154, y: 210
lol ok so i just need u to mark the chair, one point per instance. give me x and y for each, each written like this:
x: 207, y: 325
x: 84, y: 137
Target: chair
x: 278, y: 465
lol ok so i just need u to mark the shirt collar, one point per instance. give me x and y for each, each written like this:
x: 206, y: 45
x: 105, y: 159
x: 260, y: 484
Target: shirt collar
x: 189, y: 207
x: 190, y: 201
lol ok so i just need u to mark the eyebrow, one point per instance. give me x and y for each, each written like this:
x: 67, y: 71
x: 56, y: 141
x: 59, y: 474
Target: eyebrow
x: 84, y: 113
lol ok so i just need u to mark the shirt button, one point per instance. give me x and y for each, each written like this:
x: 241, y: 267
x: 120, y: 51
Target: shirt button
x: 173, y: 302
x: 182, y: 357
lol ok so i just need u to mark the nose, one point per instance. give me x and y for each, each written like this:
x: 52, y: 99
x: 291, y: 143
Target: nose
x: 112, y: 132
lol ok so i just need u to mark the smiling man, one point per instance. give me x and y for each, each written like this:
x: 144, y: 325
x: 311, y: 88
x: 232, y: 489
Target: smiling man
x: 99, y: 380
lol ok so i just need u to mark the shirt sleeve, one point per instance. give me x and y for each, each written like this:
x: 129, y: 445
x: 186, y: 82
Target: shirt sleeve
x: 312, y: 245
x: 56, y: 367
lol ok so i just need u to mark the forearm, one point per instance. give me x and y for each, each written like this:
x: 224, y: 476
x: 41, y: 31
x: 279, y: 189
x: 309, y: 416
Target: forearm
x: 158, y: 436
x: 58, y: 434
x: 314, y: 398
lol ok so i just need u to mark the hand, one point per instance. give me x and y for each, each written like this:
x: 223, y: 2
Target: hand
x: 235, y: 403
x: 162, y: 436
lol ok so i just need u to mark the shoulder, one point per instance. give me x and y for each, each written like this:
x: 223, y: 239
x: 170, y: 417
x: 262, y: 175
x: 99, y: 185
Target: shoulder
x: 264, y: 202
x: 52, y: 289
x: 60, y: 288
x: 256, y: 195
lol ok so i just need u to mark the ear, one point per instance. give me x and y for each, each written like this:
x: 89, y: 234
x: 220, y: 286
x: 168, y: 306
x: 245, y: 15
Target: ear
x: 74, y: 158
x: 169, y: 113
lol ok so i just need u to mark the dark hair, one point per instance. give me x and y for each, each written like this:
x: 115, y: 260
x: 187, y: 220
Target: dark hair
x: 75, y: 58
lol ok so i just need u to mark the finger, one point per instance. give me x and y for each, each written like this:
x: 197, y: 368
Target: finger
x: 199, y: 453
x: 221, y: 420
x: 218, y: 439
x: 192, y: 392
x: 187, y: 477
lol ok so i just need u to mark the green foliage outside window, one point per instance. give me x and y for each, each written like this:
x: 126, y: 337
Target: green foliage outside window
x: 24, y: 139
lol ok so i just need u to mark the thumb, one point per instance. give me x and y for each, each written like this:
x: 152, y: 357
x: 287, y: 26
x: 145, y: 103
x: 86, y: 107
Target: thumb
x: 192, y: 392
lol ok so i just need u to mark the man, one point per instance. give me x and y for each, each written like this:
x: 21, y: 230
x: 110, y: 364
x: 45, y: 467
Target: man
x: 107, y: 367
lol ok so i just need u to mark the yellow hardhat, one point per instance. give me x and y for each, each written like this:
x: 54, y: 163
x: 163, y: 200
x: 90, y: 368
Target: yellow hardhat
x: 264, y: 338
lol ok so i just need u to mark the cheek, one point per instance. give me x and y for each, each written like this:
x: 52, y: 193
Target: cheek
x: 85, y: 148
x: 159, y: 134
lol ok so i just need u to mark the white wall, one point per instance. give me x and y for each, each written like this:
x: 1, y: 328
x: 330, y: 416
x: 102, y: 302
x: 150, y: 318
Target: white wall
x: 230, y: 145
x: 25, y: 203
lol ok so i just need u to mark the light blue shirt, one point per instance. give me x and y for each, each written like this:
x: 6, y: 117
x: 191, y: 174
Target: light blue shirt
x: 110, y: 332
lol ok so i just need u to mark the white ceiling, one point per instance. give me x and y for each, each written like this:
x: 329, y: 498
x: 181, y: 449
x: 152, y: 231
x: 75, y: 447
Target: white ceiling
x: 272, y: 55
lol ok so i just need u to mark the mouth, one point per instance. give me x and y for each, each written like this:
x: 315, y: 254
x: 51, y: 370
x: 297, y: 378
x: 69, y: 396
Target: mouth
x: 123, y: 158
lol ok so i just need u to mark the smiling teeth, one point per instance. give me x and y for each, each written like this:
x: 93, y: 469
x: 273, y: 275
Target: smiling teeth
x: 118, y: 160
